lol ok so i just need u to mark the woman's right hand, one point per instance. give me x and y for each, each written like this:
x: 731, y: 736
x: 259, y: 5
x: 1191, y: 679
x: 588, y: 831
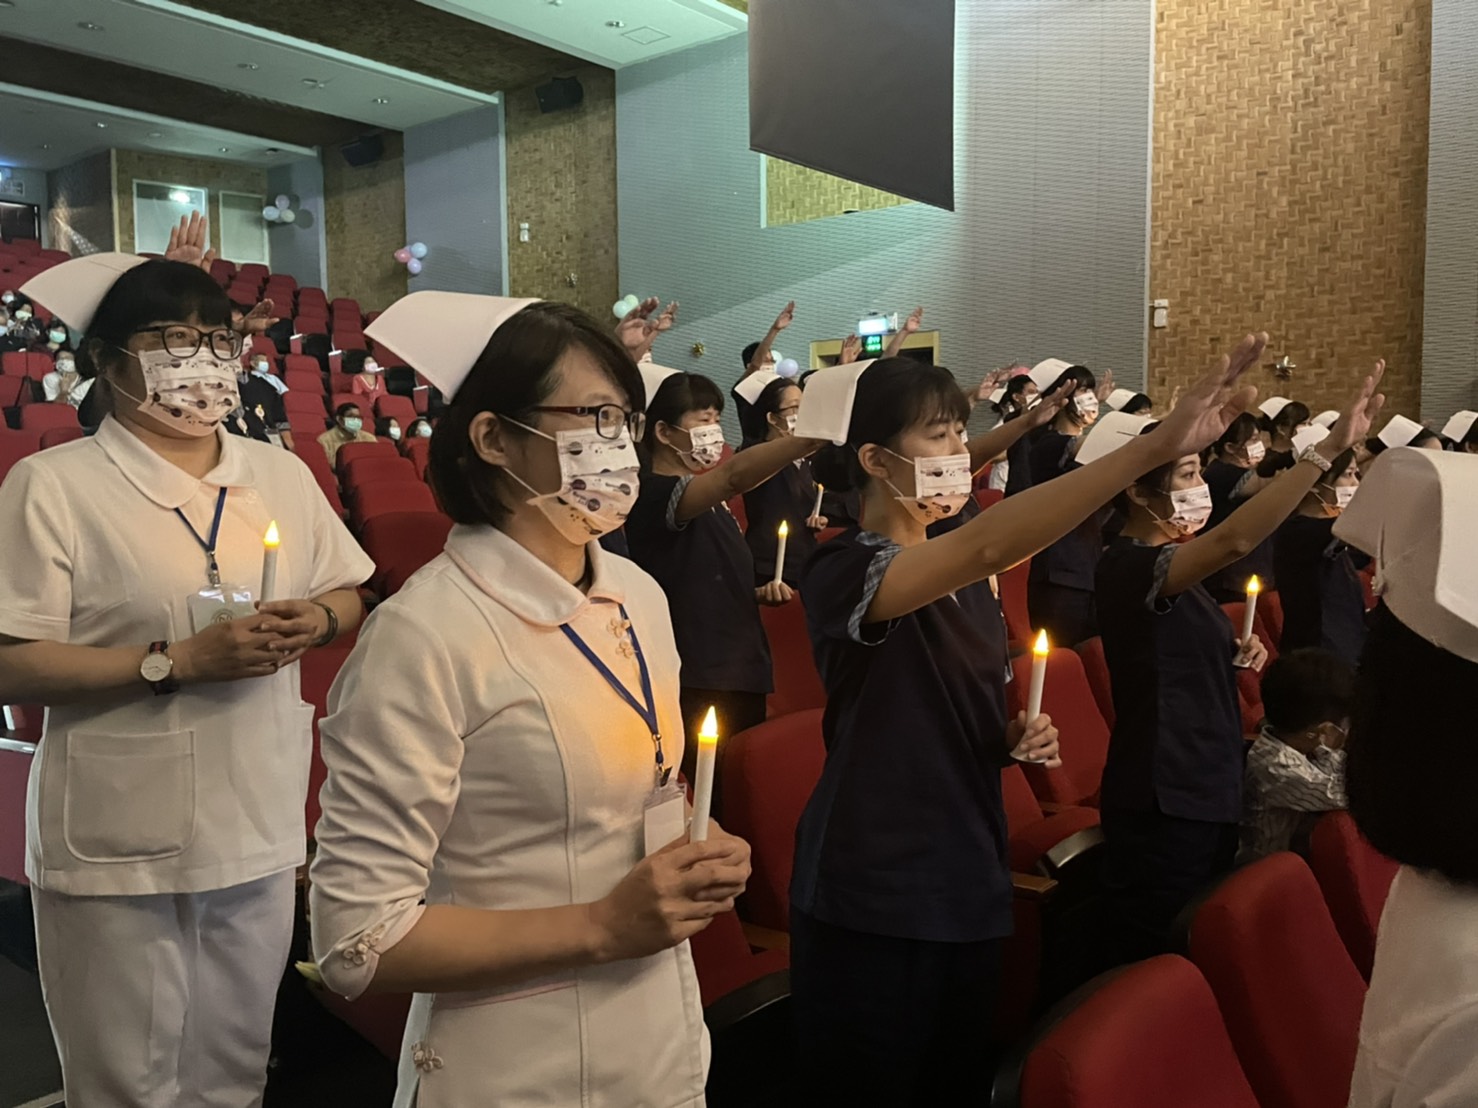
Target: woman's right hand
x: 227, y: 652
x: 1208, y: 408
x: 667, y: 897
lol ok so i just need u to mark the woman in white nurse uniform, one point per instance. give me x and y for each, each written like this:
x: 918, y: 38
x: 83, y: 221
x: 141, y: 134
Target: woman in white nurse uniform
x: 501, y: 833
x: 165, y: 808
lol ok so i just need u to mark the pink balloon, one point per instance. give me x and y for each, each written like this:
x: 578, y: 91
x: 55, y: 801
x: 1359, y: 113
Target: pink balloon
x: 413, y: 266
x: 402, y: 255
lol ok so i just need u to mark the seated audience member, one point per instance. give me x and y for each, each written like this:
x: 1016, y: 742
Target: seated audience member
x: 1296, y: 767
x: 55, y: 339
x: 262, y: 402
x: 348, y: 427
x: 1461, y: 432
x: 388, y: 427
x: 419, y: 429
x: 23, y: 326
x: 369, y: 379
x: 64, y: 384
x: 1411, y: 774
x: 10, y: 343
x: 261, y: 368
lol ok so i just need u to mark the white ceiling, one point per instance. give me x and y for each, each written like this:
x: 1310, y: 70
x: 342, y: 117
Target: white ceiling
x: 31, y: 120
x: 171, y: 38
x: 649, y: 28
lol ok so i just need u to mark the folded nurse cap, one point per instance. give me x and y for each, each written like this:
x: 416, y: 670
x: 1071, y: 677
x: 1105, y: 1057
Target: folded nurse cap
x: 1119, y: 397
x: 999, y: 395
x: 826, y: 407
x: 74, y: 289
x: 652, y: 376
x: 1045, y: 374
x: 1326, y: 419
x: 1459, y: 425
x: 1400, y: 431
x: 749, y: 388
x: 1273, y: 405
x: 442, y: 334
x: 1312, y: 435
x: 1415, y: 515
x: 1112, y: 431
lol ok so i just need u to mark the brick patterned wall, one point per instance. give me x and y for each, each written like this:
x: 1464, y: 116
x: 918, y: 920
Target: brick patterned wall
x: 1289, y: 189
x: 364, y: 219
x: 795, y: 194
x: 174, y: 169
x: 562, y: 182
x: 82, y: 205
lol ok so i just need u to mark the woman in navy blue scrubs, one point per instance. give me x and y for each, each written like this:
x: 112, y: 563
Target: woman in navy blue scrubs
x: 901, y: 893
x: 788, y: 497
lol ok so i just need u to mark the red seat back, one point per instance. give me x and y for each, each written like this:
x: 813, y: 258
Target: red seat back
x: 724, y: 962
x: 392, y: 496
x: 374, y: 469
x: 303, y: 363
x: 304, y: 402
x: 1095, y: 668
x: 1083, y: 734
x: 398, y: 408
x: 1031, y: 831
x: 309, y: 384
x: 1148, y: 1036
x: 377, y: 449
x: 43, y: 417
x: 987, y: 497
x: 15, y: 391
x: 768, y: 775
x: 15, y: 445
x: 1013, y: 604
x: 400, y: 544
x: 1286, y: 986
x: 418, y: 451
x: 797, y: 682
x: 58, y: 435
x: 1356, y: 878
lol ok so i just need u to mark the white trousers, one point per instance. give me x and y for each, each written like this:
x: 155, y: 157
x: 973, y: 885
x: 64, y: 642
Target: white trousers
x: 164, y: 1001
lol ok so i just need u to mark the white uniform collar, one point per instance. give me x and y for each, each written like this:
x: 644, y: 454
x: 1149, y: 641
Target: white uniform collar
x: 163, y: 482
x: 512, y: 576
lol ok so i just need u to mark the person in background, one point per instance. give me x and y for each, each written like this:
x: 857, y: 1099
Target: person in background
x: 261, y: 369
x: 1239, y: 468
x: 369, y: 379
x: 1282, y: 419
x: 64, y: 384
x: 1402, y: 431
x: 10, y: 343
x: 1129, y: 402
x: 1318, y: 576
x: 1172, y: 784
x: 420, y: 428
x: 639, y: 330
x: 1296, y: 766
x: 388, y: 427
x: 261, y: 401
x: 348, y: 427
x: 7, y: 298
x: 761, y: 355
x: 24, y: 327
x: 788, y: 497
x: 55, y: 339
x: 1411, y: 772
x: 1461, y: 431
x: 1013, y: 399
x: 901, y: 336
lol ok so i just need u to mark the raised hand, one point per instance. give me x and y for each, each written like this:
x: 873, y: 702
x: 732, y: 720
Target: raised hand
x: 914, y: 321
x: 785, y: 318
x: 851, y: 350
x: 666, y: 321
x: 1209, y: 406
x: 259, y: 319
x: 188, y: 242
x: 1357, y: 416
x: 632, y: 331
x: 1105, y: 386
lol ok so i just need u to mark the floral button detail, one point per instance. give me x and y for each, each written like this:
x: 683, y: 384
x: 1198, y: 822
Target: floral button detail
x: 425, y: 1058
x: 359, y: 953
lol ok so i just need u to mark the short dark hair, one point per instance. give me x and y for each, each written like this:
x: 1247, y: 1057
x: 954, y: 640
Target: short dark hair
x: 749, y: 353
x: 893, y: 394
x: 676, y: 396
x: 1412, y: 763
x: 344, y: 409
x: 513, y: 374
x: 755, y: 422
x: 1293, y: 413
x: 1304, y: 688
x: 1137, y: 403
x: 1239, y: 431
x: 353, y: 361
x: 154, y: 292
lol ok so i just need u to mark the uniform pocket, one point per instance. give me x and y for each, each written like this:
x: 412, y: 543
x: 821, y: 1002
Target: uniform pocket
x: 129, y: 797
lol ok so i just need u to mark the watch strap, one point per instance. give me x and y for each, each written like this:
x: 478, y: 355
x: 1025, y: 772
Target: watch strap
x: 166, y: 685
x: 1311, y: 454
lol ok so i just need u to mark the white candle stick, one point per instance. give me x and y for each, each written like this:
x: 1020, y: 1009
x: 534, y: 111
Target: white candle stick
x: 703, y: 786
x: 1040, y: 649
x: 270, y: 544
x: 1254, y: 587
x: 820, y: 492
x: 780, y: 551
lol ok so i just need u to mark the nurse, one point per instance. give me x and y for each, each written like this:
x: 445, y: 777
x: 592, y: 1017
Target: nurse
x: 789, y: 497
x: 1172, y: 784
x: 165, y: 808
x: 1462, y: 432
x: 502, y: 832
x: 1239, y: 468
x: 901, y: 893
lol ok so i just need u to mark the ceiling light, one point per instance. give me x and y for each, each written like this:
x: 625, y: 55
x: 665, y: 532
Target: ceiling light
x: 90, y: 26
x: 101, y: 126
x: 253, y: 66
x: 615, y: 23
x: 46, y: 146
x: 180, y: 196
x: 156, y: 134
x: 225, y: 150
x: 314, y: 82
x: 382, y: 100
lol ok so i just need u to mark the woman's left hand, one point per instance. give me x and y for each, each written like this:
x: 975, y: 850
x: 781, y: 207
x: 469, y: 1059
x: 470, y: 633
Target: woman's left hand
x: 1034, y: 742
x: 816, y: 523
x: 723, y: 890
x: 298, y: 623
x: 774, y: 594
x: 1253, y: 656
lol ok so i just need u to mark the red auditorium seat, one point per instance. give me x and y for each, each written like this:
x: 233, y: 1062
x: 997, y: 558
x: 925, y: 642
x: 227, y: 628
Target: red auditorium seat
x: 1270, y: 608
x: 726, y: 963
x: 15, y: 445
x: 1284, y: 981
x: 15, y: 769
x: 1147, y: 1036
x: 306, y: 428
x: 345, y: 304
x: 14, y: 364
x: 1249, y: 682
x: 1356, y: 879
x: 303, y: 381
x: 1043, y: 842
x: 346, y: 339
x: 418, y: 451
x: 285, y: 280
x: 261, y: 344
x: 43, y: 417
x: 988, y: 498
x: 341, y: 383
x: 398, y: 408
x: 254, y: 271
x: 396, y: 496
x: 223, y: 272
x: 26, y: 247
x: 302, y: 363
x: 797, y: 684
x: 338, y: 399
x: 1084, y: 736
x: 1095, y: 668
x: 39, y: 365
x: 377, y: 449
x: 58, y: 435
x: 375, y: 469
x: 400, y: 544
x: 15, y: 391
x: 304, y: 402
x: 1013, y: 605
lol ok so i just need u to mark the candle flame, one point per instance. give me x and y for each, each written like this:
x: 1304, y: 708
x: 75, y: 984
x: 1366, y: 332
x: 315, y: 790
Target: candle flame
x: 708, y: 733
x: 820, y: 487
x: 1041, y: 648
x: 270, y: 538
x: 784, y: 528
x: 1254, y: 586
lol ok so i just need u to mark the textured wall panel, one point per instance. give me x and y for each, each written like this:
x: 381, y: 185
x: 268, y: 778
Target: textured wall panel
x: 364, y: 212
x: 173, y: 169
x: 795, y: 194
x: 1290, y: 189
x: 82, y: 205
x: 298, y: 248
x: 454, y: 201
x: 1450, y: 328
x: 1044, y: 256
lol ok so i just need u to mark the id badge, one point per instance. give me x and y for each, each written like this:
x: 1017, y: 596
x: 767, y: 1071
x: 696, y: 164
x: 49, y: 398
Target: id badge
x: 219, y: 604
x: 664, y: 816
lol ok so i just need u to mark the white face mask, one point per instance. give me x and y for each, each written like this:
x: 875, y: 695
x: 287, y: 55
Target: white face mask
x: 394, y: 433
x: 370, y: 367
x: 1086, y: 403
x: 599, y: 480
x: 260, y: 367
x: 65, y: 366
x: 1343, y: 494
x: 787, y: 423
x: 708, y: 447
x: 424, y: 431
x: 1256, y: 451
x: 1191, y: 508
x: 191, y: 395
x: 941, y: 486
x: 8, y: 298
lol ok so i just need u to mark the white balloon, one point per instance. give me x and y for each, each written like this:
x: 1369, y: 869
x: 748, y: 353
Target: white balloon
x: 787, y: 367
x: 283, y: 200
x: 287, y: 215
x: 270, y: 213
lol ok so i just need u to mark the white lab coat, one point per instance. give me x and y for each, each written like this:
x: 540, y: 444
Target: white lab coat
x: 476, y: 757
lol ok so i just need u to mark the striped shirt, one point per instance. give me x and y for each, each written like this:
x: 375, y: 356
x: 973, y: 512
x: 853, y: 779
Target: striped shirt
x: 1284, y: 793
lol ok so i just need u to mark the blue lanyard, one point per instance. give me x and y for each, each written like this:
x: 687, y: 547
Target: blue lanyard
x: 213, y: 570
x: 647, y: 710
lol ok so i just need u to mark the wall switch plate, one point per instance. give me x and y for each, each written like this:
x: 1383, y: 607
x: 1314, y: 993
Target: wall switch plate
x: 1161, y: 316
x: 523, y: 232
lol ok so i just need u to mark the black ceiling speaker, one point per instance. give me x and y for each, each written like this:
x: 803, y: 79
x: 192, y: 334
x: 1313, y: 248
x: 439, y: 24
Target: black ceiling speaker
x: 560, y: 93
x: 364, y: 151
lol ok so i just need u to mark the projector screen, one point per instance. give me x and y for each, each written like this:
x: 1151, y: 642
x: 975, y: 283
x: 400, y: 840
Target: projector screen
x: 861, y: 89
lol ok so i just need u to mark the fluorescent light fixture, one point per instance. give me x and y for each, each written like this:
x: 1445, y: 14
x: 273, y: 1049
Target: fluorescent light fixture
x: 179, y: 196
x: 877, y: 324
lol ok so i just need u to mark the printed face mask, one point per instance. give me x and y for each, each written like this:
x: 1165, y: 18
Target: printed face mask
x: 941, y: 486
x: 1256, y: 451
x: 1191, y: 508
x: 787, y: 422
x: 1087, y: 405
x: 191, y: 395
x: 1343, y: 494
x: 65, y: 365
x: 599, y: 479
x: 707, y: 440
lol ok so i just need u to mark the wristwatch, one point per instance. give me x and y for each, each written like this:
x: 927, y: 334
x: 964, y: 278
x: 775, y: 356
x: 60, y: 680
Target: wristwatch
x: 157, y: 669
x: 1311, y: 454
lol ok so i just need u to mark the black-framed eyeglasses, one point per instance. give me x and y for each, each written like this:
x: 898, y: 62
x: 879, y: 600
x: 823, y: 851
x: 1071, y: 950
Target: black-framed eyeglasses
x: 610, y: 419
x: 183, y: 341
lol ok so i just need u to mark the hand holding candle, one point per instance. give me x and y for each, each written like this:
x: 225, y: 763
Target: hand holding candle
x: 703, y: 785
x: 1254, y: 587
x: 270, y: 544
x: 780, y: 551
x: 820, y: 492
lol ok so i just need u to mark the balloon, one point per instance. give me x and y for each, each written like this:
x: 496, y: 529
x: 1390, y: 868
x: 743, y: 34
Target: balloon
x: 418, y: 250
x: 620, y: 309
x: 283, y: 200
x: 779, y: 357
x: 287, y: 215
x: 414, y: 266
x: 403, y: 255
x: 787, y: 367
x: 270, y: 213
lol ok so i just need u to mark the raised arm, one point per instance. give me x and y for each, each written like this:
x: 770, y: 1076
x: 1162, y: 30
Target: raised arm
x: 910, y: 325
x: 995, y: 442
x: 745, y: 470
x: 761, y: 352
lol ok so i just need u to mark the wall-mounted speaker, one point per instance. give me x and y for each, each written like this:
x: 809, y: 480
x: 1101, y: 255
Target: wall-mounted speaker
x: 364, y: 151
x: 559, y: 94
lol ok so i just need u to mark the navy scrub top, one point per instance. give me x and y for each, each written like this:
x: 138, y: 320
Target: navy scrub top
x: 1072, y: 559
x: 905, y: 834
x: 707, y: 572
x: 1177, y: 744
x: 1318, y: 584
x: 789, y: 495
x: 1230, y: 583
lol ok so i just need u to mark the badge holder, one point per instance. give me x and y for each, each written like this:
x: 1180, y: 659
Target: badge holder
x: 219, y: 604
x: 664, y: 816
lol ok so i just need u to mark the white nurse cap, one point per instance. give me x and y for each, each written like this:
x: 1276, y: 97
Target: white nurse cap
x: 1113, y: 430
x: 999, y: 395
x: 1459, y: 425
x: 1326, y: 419
x: 826, y: 406
x: 1312, y: 435
x: 652, y: 376
x: 442, y: 334
x: 1273, y: 405
x: 1047, y: 373
x: 1119, y: 397
x: 1400, y: 431
x: 73, y: 290
x: 1415, y: 516
x: 749, y: 389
